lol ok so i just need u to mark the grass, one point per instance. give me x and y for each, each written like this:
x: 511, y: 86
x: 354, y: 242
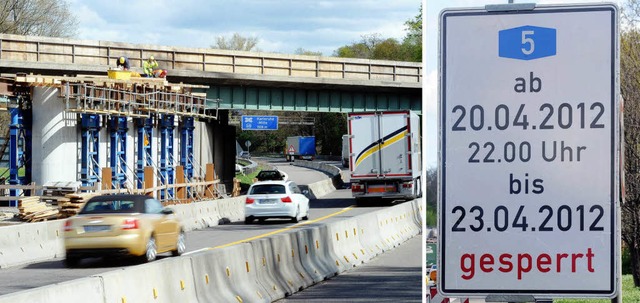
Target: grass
x: 630, y: 294
x: 247, y: 180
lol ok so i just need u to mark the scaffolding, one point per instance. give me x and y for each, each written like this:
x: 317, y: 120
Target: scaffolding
x: 136, y: 101
x: 107, y: 103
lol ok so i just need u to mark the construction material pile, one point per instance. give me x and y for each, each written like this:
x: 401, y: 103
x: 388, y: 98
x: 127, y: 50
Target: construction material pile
x: 54, y: 192
x: 33, y: 210
x: 75, y: 204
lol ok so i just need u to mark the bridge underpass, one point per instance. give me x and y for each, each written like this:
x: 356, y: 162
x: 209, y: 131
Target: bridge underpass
x: 239, y: 80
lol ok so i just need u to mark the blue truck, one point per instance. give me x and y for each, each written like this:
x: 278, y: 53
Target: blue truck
x: 300, y: 147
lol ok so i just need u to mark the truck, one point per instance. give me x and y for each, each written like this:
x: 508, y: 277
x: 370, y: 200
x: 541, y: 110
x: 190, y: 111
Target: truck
x: 385, y: 158
x: 345, y: 151
x: 300, y: 147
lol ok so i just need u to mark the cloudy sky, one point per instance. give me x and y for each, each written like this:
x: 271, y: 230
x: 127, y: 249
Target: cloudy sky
x: 433, y: 9
x: 281, y: 25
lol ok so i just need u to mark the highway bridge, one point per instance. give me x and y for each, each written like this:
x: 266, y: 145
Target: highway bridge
x: 233, y: 80
x: 79, y: 145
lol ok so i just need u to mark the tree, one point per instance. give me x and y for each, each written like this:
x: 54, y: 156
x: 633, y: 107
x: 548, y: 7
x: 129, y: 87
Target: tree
x: 630, y: 89
x: 373, y: 46
x: 51, y: 18
x: 236, y: 42
x: 412, y: 42
x: 302, y: 51
x: 431, y: 195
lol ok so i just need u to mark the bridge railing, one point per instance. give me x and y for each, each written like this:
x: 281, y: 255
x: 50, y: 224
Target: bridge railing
x: 104, y: 53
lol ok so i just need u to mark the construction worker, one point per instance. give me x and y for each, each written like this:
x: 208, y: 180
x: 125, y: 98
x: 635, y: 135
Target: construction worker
x: 123, y: 62
x: 148, y: 66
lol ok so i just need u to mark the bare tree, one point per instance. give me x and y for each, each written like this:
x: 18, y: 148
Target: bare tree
x: 630, y: 89
x: 51, y: 18
x: 236, y: 42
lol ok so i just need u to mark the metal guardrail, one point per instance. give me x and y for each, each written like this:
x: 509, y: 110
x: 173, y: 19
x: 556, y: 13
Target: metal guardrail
x: 103, y: 53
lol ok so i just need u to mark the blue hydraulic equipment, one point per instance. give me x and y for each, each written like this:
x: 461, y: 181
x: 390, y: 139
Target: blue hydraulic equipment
x: 19, y: 148
x: 186, y: 149
x: 145, y: 137
x: 118, y: 131
x: 166, y: 152
x: 90, y: 166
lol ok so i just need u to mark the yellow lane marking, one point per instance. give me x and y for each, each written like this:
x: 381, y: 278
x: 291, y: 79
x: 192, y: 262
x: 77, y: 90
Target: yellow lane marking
x: 284, y: 229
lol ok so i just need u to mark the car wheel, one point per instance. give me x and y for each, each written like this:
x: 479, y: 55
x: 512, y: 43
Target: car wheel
x: 152, y: 250
x: 295, y: 219
x: 181, y: 245
x: 71, y: 262
x: 248, y: 220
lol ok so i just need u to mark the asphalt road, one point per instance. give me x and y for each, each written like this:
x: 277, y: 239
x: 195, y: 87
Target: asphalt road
x: 335, y: 206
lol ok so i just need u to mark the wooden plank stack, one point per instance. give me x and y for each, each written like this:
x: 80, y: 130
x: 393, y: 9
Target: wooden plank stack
x: 54, y: 192
x: 33, y: 210
x: 75, y: 204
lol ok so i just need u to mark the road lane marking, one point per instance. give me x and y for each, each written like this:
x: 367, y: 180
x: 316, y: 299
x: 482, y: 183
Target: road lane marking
x: 274, y: 232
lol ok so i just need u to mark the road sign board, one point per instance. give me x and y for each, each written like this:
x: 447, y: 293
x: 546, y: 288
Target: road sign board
x: 529, y: 151
x: 291, y: 150
x: 259, y: 123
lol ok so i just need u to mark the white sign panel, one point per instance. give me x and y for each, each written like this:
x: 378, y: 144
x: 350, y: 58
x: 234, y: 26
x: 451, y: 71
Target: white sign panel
x: 529, y: 151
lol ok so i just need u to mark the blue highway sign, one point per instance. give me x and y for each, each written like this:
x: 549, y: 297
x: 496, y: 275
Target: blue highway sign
x: 259, y: 122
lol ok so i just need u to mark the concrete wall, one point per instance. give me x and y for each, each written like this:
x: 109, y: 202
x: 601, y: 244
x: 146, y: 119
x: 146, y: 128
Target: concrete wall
x: 54, y: 138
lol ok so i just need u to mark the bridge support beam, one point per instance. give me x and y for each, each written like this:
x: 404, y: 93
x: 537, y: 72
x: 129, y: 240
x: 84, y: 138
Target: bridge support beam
x: 145, y: 143
x: 118, y: 156
x: 90, y: 167
x: 19, y: 148
x: 167, y: 172
x: 186, y: 149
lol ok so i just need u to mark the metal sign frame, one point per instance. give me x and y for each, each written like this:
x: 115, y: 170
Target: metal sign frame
x: 448, y: 219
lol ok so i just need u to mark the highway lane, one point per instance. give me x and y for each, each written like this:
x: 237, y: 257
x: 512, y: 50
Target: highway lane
x: 53, y: 271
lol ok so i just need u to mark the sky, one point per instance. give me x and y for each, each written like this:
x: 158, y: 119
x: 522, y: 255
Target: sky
x: 430, y: 78
x: 281, y: 26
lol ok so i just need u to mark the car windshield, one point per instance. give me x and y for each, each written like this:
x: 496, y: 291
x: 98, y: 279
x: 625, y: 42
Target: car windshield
x: 267, y: 189
x: 113, y: 206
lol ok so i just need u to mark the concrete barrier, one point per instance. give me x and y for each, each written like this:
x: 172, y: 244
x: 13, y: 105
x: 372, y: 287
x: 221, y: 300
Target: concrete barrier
x: 169, y: 280
x: 346, y: 243
x: 227, y: 275
x: 288, y: 263
x: 26, y: 243
x: 370, y: 236
x: 76, y: 291
x: 266, y: 262
x: 318, y: 265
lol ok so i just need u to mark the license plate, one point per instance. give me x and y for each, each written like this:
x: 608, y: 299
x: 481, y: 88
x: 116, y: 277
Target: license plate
x: 96, y: 228
x: 268, y: 201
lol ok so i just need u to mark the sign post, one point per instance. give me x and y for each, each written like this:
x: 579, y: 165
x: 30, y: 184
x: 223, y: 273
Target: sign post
x: 529, y: 143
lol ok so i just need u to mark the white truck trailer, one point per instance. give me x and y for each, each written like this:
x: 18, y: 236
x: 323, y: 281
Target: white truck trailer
x: 385, y: 157
x: 345, y: 151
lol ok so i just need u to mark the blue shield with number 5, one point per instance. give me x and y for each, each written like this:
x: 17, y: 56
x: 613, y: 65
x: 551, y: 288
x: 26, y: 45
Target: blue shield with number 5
x: 527, y: 42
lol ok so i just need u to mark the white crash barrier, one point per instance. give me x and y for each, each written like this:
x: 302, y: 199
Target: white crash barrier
x: 26, y: 243
x: 75, y: 291
x: 314, y: 255
x: 227, y: 275
x: 346, y: 243
x: 168, y: 280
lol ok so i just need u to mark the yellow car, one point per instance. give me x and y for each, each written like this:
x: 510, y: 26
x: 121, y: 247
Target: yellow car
x: 122, y: 225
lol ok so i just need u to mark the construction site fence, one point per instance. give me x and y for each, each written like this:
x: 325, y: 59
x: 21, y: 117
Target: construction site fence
x: 94, y: 54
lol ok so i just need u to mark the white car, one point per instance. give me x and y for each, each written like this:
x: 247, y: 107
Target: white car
x: 276, y: 199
